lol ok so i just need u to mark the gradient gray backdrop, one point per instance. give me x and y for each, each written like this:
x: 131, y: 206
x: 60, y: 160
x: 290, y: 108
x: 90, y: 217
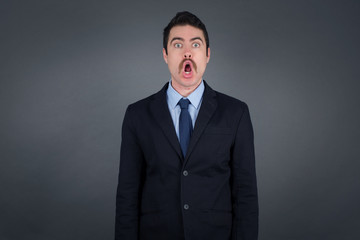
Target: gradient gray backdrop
x: 68, y: 70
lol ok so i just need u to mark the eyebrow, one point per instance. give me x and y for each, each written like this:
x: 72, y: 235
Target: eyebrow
x: 196, y: 38
x: 181, y: 39
x: 176, y: 38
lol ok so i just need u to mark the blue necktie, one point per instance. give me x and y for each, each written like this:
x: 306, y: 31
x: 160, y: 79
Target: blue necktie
x: 185, y: 125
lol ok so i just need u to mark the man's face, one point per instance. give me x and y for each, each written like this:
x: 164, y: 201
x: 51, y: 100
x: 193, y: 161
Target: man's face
x: 186, y: 57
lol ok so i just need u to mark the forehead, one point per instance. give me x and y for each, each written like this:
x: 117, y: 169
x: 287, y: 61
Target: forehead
x: 186, y: 32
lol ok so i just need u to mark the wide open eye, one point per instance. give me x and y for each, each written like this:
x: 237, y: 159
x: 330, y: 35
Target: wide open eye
x: 196, y: 45
x: 178, y: 45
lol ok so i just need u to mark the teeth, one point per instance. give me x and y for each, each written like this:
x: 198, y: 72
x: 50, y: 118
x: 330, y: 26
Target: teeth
x: 187, y: 72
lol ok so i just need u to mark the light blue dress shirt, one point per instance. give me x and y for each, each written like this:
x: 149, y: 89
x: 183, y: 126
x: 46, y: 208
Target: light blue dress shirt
x: 195, y: 98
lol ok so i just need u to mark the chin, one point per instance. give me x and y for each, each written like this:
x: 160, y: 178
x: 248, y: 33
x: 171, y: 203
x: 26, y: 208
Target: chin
x: 189, y: 82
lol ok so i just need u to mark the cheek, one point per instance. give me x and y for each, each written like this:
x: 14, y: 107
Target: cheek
x: 172, y: 61
x: 202, y: 65
x: 173, y: 67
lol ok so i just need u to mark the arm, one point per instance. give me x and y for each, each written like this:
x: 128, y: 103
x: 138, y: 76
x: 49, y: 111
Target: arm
x: 129, y: 185
x: 244, y: 187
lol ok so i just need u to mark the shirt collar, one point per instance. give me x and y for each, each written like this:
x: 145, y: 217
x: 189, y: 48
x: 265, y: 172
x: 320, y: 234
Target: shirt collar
x: 195, y: 97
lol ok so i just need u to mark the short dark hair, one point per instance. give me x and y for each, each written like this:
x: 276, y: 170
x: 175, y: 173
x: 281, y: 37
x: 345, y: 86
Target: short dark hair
x: 182, y: 19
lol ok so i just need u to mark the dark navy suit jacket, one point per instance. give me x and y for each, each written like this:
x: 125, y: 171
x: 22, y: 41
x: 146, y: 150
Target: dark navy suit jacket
x: 210, y: 194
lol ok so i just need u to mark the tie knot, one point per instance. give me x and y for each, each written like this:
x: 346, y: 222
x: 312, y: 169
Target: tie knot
x: 184, y: 103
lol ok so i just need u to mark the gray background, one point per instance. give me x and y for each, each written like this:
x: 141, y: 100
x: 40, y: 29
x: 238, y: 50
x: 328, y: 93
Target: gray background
x: 68, y: 70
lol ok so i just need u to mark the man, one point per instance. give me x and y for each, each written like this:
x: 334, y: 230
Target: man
x: 187, y: 168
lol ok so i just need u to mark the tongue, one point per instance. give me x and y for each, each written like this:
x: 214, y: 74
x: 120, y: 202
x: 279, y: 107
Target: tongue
x: 187, y: 68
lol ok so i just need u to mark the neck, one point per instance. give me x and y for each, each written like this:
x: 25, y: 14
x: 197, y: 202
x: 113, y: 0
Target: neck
x: 184, y: 91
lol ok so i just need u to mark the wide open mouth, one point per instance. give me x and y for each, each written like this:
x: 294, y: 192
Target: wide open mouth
x: 188, y: 67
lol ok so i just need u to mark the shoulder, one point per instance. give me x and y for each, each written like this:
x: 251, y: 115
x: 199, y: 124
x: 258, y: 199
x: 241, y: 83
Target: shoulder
x: 231, y: 107
x: 141, y: 104
x: 225, y: 101
x: 139, y: 109
x: 227, y: 105
x: 230, y: 101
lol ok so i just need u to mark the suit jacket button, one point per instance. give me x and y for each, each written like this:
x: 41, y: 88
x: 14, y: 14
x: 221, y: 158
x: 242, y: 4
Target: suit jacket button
x: 185, y: 173
x: 186, y: 207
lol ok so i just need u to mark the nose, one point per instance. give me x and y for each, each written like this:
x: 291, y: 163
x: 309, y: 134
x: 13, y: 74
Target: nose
x: 187, y: 54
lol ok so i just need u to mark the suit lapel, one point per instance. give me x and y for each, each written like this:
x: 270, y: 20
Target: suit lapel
x: 207, y: 109
x: 160, y: 111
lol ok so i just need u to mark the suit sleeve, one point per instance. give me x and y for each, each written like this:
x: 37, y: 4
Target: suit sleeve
x: 244, y: 186
x: 130, y: 181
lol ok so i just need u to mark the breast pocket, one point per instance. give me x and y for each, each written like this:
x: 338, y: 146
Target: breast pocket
x: 215, y: 146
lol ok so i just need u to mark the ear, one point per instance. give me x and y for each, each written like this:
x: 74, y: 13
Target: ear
x: 165, y: 55
x: 208, y: 55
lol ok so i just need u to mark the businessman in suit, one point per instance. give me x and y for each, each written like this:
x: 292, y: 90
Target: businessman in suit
x: 187, y: 167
